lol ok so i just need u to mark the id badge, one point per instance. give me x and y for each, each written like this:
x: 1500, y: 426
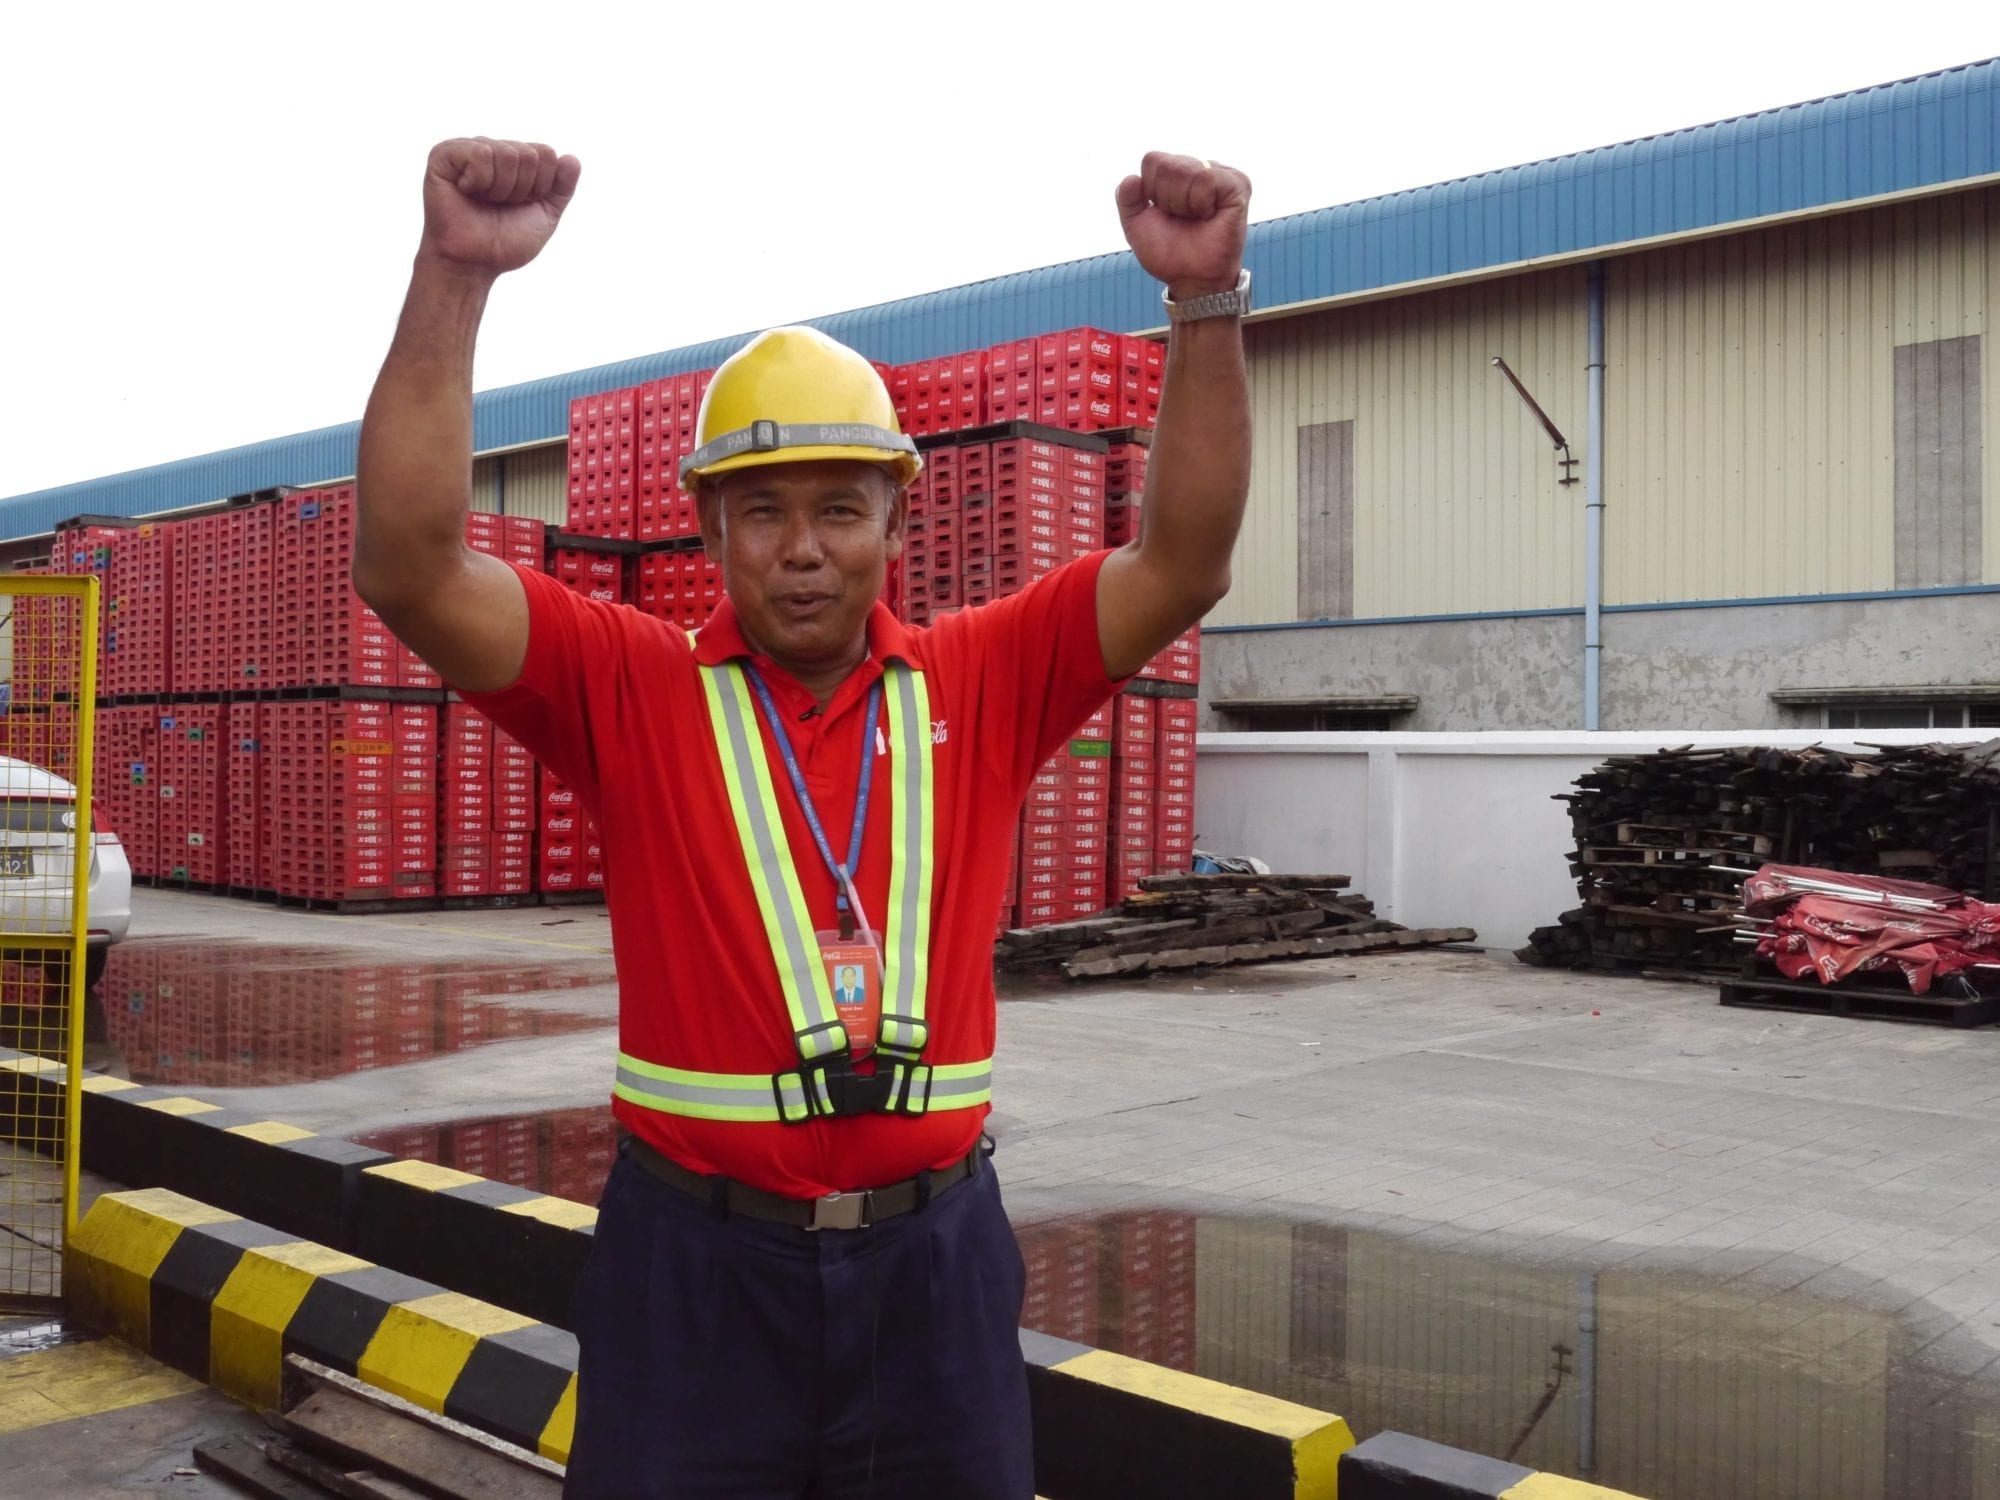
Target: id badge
x: 854, y: 974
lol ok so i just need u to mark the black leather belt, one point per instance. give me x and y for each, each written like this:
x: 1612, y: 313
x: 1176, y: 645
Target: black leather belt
x: 855, y: 1210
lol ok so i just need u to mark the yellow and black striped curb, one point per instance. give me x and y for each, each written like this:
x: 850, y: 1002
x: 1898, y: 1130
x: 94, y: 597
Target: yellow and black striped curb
x: 519, y: 1249
x: 1112, y: 1426
x: 508, y: 1245
x: 1396, y: 1466
x: 225, y: 1299
x: 260, y: 1168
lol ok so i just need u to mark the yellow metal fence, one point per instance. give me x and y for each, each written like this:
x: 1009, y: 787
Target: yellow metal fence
x: 49, y: 857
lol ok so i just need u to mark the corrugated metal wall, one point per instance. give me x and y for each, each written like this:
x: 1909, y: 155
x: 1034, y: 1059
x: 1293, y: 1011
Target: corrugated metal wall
x: 1750, y: 421
x: 1456, y: 505
x: 538, y: 483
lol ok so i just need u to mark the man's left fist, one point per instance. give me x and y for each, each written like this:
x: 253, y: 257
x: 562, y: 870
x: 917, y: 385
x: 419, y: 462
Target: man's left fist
x: 1185, y: 219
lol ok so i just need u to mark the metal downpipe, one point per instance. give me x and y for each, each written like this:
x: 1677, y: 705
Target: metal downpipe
x: 1593, y: 506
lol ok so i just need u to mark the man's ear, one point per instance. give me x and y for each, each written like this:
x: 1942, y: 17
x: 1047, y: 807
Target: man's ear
x: 899, y: 510
x: 708, y: 515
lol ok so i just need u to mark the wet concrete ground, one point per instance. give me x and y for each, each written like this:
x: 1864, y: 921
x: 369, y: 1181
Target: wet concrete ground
x: 1603, y: 1224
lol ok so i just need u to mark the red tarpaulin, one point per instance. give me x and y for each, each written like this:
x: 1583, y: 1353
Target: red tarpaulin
x: 1867, y: 923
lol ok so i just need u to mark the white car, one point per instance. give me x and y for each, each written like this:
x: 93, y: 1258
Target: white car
x: 37, y: 865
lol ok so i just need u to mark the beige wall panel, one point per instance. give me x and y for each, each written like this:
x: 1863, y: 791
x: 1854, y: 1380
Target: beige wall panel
x: 486, y: 484
x: 1750, y: 399
x: 538, y: 483
x: 1456, y: 500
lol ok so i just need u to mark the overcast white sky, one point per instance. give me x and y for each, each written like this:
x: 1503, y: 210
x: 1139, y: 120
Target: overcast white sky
x: 213, y: 206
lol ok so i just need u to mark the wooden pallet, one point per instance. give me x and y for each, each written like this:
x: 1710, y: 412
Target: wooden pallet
x: 1933, y: 1009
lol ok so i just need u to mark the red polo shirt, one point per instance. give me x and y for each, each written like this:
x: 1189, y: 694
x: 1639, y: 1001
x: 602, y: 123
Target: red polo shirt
x: 611, y: 701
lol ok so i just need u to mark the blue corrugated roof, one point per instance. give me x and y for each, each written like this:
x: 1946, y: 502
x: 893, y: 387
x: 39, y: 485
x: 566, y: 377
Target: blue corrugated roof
x: 1920, y: 132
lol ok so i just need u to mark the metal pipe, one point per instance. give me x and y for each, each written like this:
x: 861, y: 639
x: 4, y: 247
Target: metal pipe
x: 1593, y: 507
x: 1586, y: 1373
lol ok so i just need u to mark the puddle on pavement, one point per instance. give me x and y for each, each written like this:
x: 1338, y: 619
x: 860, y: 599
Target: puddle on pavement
x: 208, y: 1014
x: 33, y: 1335
x: 565, y: 1152
x: 1666, y: 1384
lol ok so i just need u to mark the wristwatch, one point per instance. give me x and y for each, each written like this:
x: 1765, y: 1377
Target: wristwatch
x: 1231, y: 304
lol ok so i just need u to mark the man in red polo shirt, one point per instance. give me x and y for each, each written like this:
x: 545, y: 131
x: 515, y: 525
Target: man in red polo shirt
x: 803, y: 1281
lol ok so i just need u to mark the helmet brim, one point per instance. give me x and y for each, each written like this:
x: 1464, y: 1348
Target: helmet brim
x: 903, y: 467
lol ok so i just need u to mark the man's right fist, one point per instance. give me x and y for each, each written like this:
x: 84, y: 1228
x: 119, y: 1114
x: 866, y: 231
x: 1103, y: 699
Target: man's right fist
x: 492, y: 205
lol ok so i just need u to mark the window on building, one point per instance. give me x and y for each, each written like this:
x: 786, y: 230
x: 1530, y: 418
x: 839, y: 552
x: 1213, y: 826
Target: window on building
x: 1917, y: 715
x: 1315, y: 715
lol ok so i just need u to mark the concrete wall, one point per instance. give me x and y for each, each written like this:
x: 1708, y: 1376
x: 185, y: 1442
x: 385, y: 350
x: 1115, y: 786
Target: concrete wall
x: 1707, y: 668
x: 1441, y: 830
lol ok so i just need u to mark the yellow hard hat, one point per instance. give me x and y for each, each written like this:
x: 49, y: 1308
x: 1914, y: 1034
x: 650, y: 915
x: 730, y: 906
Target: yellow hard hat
x: 793, y: 395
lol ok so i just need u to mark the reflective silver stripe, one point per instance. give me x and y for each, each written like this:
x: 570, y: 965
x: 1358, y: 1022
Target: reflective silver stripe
x: 756, y: 1096
x: 768, y: 437
x: 903, y: 1028
x: 774, y: 868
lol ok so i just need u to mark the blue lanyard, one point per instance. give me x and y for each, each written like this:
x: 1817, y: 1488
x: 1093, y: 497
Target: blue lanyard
x: 843, y: 874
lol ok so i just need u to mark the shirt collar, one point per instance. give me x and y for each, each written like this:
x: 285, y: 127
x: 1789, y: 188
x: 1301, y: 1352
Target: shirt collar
x: 721, y: 639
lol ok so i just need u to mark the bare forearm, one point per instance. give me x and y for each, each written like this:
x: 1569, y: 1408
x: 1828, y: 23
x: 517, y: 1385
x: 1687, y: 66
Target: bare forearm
x: 414, y: 480
x: 1198, y: 477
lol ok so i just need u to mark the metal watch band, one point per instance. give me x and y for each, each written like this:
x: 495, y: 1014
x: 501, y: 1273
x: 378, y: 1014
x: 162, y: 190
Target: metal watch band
x: 1230, y: 304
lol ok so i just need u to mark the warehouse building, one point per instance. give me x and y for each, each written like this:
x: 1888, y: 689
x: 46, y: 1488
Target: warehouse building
x: 1753, y: 349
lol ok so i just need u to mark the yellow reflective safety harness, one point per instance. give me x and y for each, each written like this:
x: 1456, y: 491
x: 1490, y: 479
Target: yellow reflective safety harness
x: 825, y: 1082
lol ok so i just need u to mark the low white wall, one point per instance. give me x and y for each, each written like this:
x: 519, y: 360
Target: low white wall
x: 1442, y: 830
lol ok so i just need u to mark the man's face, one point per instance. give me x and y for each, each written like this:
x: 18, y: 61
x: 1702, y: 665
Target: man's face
x: 803, y: 550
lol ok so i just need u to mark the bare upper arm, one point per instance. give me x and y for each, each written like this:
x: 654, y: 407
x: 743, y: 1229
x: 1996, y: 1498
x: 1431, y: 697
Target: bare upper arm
x: 469, y: 620
x: 1142, y: 608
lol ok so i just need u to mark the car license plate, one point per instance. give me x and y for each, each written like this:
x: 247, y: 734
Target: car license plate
x: 16, y: 862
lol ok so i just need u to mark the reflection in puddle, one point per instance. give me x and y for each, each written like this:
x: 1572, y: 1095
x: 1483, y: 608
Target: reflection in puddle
x: 31, y: 1335
x: 1665, y: 1384
x: 217, y: 1015
x: 566, y: 1152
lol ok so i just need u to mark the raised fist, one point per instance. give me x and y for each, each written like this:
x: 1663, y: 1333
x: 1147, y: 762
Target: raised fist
x: 492, y: 205
x: 1185, y: 220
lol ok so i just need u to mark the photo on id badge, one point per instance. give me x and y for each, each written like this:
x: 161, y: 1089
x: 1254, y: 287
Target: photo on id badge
x: 854, y: 975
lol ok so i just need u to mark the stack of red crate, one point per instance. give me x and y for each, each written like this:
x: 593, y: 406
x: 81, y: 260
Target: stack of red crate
x: 1173, y: 835
x: 1064, y: 843
x: 138, y: 643
x: 595, y: 575
x: 243, y: 775
x: 79, y: 550
x: 1124, y: 487
x: 465, y: 786
x: 571, y: 852
x: 1135, y: 781
x: 1083, y: 379
x: 325, y: 635
x: 668, y: 409
x: 940, y: 395
x: 43, y: 631
x: 489, y: 810
x: 192, y: 797
x: 1180, y: 662
x: 223, y: 624
x: 127, y: 782
x: 603, y: 463
x: 350, y: 800
x: 988, y: 519
x: 681, y: 588
x: 514, y: 539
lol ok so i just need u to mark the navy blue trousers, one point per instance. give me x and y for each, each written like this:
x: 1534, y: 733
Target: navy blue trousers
x: 732, y: 1357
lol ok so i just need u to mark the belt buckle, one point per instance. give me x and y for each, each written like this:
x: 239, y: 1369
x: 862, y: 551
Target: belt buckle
x: 842, y: 1211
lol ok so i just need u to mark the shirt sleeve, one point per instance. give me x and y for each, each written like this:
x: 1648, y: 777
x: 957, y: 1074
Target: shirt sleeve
x: 574, y: 648
x: 1041, y: 665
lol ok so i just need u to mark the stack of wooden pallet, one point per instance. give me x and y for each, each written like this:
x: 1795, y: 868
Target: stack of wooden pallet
x: 1195, y: 921
x: 1651, y: 831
